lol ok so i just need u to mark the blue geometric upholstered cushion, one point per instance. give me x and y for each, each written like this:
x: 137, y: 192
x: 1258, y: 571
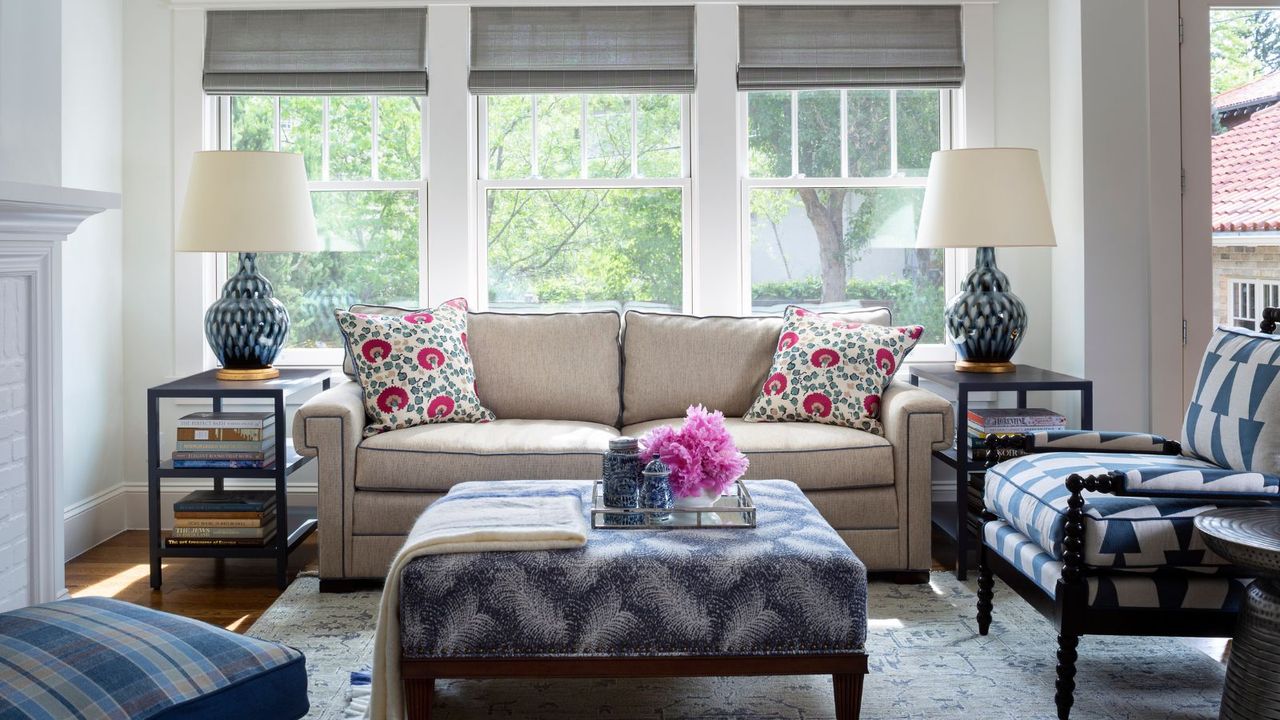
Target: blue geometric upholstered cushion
x: 1095, y: 441
x: 1030, y: 494
x: 1163, y: 589
x: 1234, y: 416
x: 101, y: 658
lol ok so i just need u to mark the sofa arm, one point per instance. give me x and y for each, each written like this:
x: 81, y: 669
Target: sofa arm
x: 328, y: 427
x: 916, y: 422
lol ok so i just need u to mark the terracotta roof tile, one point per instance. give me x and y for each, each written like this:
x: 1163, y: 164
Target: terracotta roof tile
x: 1266, y: 87
x: 1246, y: 174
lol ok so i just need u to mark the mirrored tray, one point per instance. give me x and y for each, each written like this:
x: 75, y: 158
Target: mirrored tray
x: 734, y: 509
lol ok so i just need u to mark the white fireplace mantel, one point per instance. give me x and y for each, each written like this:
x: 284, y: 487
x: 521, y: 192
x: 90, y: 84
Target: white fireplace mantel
x: 34, y: 220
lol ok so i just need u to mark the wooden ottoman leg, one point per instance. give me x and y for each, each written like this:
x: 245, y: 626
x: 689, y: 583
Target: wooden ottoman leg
x: 848, y: 688
x: 417, y: 697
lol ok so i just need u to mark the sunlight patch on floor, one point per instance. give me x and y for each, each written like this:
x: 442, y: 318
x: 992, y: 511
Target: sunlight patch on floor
x: 884, y: 624
x: 235, y: 625
x: 113, y: 585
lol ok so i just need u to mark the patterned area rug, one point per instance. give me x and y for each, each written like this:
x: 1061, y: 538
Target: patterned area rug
x: 927, y: 661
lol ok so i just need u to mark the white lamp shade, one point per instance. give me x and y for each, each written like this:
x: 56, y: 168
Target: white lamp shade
x: 247, y: 202
x: 985, y: 197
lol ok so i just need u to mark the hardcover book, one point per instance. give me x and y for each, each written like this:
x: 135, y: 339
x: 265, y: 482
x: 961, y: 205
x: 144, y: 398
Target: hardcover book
x: 224, y: 446
x: 217, y: 520
x: 225, y: 464
x: 221, y: 455
x: 228, y: 434
x: 227, y: 501
x: 991, y: 419
x: 206, y: 532
x: 218, y: 542
x: 227, y: 420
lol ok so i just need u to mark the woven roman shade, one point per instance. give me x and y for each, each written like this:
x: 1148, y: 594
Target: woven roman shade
x: 794, y: 47
x: 582, y: 49
x: 316, y: 52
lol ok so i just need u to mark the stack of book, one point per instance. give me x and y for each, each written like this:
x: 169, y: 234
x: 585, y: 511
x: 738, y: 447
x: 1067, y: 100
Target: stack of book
x: 209, y: 518
x: 1008, y: 421
x: 226, y: 440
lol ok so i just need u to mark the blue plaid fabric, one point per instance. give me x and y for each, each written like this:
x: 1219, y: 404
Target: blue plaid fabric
x: 1163, y: 589
x: 1231, y: 420
x: 101, y: 658
x: 1030, y: 494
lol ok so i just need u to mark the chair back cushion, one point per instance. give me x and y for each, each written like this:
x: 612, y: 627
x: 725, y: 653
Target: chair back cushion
x: 674, y: 361
x: 537, y: 366
x: 1233, y: 420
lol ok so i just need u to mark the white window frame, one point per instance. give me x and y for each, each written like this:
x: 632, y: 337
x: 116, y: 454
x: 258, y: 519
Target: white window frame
x: 1262, y: 294
x: 948, y: 106
x: 484, y: 184
x: 291, y: 356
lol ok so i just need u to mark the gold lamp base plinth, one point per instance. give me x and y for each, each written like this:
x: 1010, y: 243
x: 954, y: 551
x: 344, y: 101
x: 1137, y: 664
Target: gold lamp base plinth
x: 985, y: 367
x: 265, y: 373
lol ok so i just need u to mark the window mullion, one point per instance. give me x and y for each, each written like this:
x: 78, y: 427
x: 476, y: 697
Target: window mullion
x: 795, y: 133
x: 324, y: 139
x: 844, y: 133
x: 893, y: 133
x: 373, y: 141
x: 534, y: 169
x: 275, y: 130
x: 635, y: 138
x: 582, y: 136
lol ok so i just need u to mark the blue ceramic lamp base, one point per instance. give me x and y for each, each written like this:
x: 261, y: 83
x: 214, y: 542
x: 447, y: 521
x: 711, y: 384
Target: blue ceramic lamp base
x: 985, y: 322
x: 247, y: 326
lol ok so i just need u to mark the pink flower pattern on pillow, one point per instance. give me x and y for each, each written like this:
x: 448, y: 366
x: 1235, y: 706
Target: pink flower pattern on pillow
x: 413, y: 369
x: 832, y: 371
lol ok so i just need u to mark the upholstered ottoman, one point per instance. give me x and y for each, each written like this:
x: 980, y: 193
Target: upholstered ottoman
x: 101, y: 658
x: 785, y: 598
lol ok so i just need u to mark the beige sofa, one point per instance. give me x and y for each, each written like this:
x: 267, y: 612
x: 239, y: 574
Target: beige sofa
x: 562, y: 385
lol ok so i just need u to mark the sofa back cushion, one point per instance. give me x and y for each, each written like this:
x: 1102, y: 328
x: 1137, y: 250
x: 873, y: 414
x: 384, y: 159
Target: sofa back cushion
x: 563, y: 366
x: 674, y: 361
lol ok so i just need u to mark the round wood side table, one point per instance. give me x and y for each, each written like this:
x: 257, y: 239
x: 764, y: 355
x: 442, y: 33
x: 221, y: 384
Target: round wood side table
x: 1250, y: 539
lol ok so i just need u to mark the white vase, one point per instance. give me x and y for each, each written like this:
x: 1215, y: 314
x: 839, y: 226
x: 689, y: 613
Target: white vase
x: 702, y: 501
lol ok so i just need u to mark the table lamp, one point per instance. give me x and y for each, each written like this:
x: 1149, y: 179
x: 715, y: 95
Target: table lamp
x: 247, y: 203
x: 985, y: 198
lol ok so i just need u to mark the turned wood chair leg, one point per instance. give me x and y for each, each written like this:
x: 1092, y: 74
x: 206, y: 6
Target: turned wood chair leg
x: 417, y: 697
x: 1066, y: 685
x: 986, y: 591
x: 848, y: 695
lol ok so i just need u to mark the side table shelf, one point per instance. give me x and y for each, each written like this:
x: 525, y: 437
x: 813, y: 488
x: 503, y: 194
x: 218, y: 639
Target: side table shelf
x: 953, y: 515
x: 298, y: 523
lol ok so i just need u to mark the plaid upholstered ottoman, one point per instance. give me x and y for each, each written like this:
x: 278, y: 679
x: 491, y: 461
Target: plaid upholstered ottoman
x: 100, y: 658
x: 785, y: 598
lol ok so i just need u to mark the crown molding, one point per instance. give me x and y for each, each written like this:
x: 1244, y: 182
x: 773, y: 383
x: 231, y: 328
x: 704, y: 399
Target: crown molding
x: 48, y: 212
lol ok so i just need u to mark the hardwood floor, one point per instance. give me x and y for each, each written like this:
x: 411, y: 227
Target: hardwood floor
x: 228, y: 593
x: 234, y: 593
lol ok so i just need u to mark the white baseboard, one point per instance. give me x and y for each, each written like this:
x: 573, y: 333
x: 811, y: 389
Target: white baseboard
x: 94, y: 520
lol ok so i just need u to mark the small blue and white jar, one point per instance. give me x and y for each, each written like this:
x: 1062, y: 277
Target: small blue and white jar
x: 655, y: 491
x: 622, y: 477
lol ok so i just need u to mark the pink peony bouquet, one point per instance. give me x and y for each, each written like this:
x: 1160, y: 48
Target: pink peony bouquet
x: 701, y: 453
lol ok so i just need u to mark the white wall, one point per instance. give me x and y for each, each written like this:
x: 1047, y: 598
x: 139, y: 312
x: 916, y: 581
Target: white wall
x: 92, y: 265
x: 30, y: 147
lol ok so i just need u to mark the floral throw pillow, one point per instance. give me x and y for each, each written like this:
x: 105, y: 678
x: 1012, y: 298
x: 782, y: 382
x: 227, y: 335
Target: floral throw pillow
x: 831, y: 371
x: 413, y: 369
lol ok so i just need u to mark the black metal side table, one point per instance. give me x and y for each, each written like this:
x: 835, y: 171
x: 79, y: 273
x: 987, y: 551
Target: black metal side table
x: 293, y: 528
x: 1250, y: 539
x: 955, y: 519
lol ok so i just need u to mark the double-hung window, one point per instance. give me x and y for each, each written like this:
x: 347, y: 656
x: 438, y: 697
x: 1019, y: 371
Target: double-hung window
x: 364, y: 160
x: 346, y: 89
x: 844, y: 106
x: 1248, y: 298
x: 584, y: 200
x: 835, y: 182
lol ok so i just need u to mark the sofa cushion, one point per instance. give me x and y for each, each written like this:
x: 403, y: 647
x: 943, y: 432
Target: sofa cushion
x: 815, y: 457
x: 1030, y: 494
x: 103, y: 658
x: 1233, y: 419
x: 437, y: 457
x: 564, y: 366
x: 674, y: 361
x: 831, y: 372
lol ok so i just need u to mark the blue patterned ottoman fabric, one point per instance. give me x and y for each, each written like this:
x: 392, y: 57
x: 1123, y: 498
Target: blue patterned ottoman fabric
x: 1030, y: 493
x: 1165, y: 590
x: 1232, y: 420
x: 788, y: 586
x: 101, y: 658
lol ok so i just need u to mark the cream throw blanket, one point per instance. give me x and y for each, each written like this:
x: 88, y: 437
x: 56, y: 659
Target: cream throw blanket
x: 473, y: 517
